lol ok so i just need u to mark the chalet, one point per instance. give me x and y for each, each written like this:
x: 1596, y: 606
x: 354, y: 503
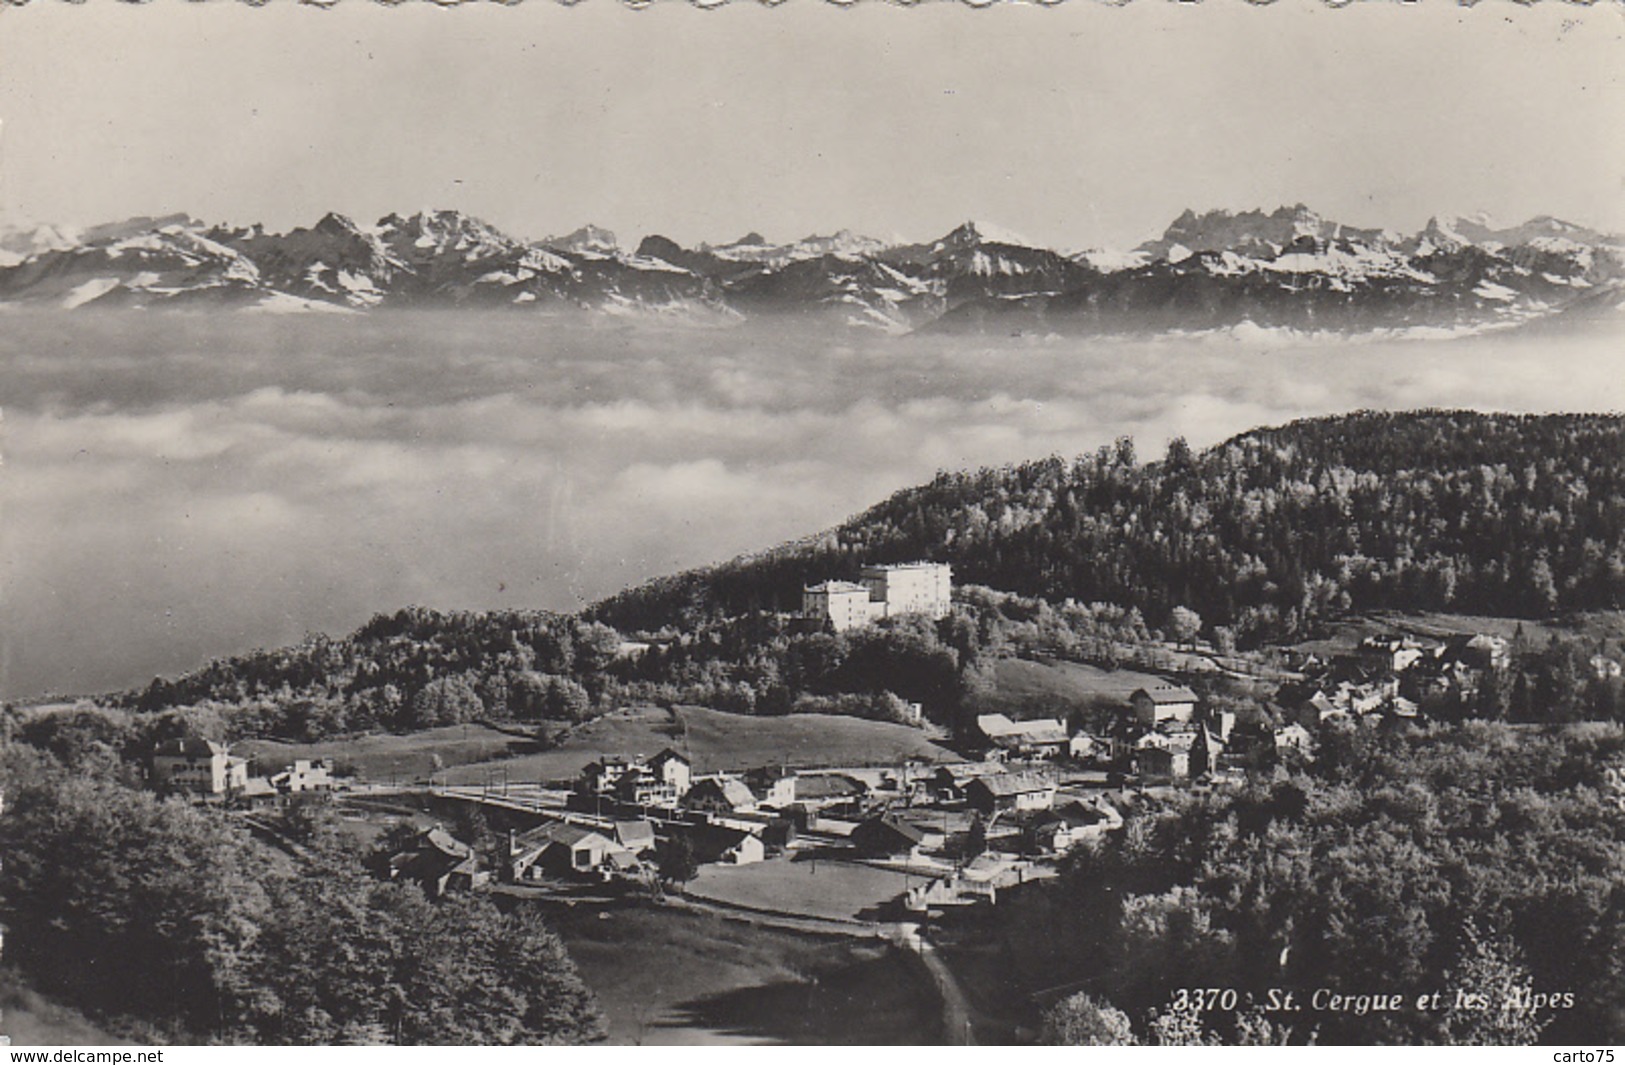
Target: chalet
x: 819, y: 790
x: 438, y: 862
x: 1066, y: 826
x: 1045, y: 737
x: 558, y: 849
x: 1003, y: 792
x: 725, y: 846
x: 949, y: 781
x: 719, y: 795
x: 636, y: 836
x: 887, y: 836
x: 1163, y: 702
x: 196, y: 766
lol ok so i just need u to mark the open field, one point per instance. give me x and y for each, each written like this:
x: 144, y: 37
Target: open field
x: 413, y: 756
x: 716, y: 741
x: 675, y: 978
x: 1028, y: 689
x: 804, y: 887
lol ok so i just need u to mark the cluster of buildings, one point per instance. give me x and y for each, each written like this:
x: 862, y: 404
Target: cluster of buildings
x: 885, y: 591
x: 205, y: 770
x: 1389, y: 677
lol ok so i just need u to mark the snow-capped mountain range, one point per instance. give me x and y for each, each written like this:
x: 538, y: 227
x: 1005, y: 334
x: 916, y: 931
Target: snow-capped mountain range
x: 1289, y: 268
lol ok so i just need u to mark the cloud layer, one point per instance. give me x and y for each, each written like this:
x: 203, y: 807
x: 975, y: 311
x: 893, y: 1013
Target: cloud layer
x: 183, y: 487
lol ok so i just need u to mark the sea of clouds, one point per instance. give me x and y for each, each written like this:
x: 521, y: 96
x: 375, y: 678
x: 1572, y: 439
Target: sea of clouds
x: 180, y: 487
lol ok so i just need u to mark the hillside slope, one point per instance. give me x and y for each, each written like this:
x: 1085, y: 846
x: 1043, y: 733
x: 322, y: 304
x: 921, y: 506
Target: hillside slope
x: 1438, y: 510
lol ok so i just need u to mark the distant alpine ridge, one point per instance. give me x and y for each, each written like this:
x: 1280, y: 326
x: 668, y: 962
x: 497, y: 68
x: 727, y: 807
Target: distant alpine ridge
x: 1288, y: 269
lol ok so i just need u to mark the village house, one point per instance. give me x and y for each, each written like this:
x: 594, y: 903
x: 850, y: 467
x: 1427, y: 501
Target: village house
x: 817, y: 791
x: 603, y: 776
x: 437, y: 862
x: 1005, y: 792
x: 719, y: 795
x: 1391, y: 654
x: 303, y: 775
x: 195, y: 766
x: 558, y: 849
x: 1164, y: 755
x: 887, y: 836
x: 886, y: 591
x: 948, y: 782
x: 1295, y: 739
x: 1068, y: 825
x: 724, y: 845
x: 673, y: 769
x: 636, y: 836
x: 1161, y: 703
x: 1041, y: 738
x: 775, y: 785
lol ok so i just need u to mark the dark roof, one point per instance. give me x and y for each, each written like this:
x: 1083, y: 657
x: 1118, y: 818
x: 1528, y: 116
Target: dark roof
x: 1074, y: 815
x: 558, y: 832
x: 828, y: 786
x: 731, y: 791
x: 890, y: 824
x: 669, y: 755
x: 1002, y: 784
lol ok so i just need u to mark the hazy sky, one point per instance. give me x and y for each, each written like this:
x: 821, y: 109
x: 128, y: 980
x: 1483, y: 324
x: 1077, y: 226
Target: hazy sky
x: 1079, y: 125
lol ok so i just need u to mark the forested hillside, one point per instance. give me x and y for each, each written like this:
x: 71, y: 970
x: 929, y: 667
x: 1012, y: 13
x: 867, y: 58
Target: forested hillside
x: 1261, y: 535
x: 1480, y: 859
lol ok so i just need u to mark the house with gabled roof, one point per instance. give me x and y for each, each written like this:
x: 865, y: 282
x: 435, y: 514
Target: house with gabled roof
x: 558, y: 849
x: 719, y: 795
x: 1004, y: 792
x: 1161, y: 703
x: 195, y: 766
x: 887, y: 836
x: 438, y: 862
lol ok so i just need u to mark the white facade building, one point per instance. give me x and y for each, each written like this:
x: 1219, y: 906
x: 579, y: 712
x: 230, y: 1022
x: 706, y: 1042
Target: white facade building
x: 844, y: 604
x: 886, y: 591
x: 911, y: 588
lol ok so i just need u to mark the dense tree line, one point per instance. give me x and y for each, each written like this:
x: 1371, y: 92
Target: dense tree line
x: 416, y: 668
x: 168, y: 921
x: 1263, y: 535
x: 419, y: 668
x: 1478, y: 857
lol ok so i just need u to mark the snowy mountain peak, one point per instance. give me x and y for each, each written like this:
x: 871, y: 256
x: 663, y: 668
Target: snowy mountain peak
x: 973, y: 233
x: 588, y: 240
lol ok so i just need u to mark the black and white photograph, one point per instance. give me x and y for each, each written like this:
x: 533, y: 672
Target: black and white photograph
x: 786, y: 524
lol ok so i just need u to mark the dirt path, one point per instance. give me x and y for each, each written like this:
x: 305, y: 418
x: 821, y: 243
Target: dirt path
x: 958, y: 1028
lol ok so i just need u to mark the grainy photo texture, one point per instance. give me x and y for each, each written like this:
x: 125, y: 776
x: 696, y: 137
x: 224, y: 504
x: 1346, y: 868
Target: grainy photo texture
x: 812, y: 523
